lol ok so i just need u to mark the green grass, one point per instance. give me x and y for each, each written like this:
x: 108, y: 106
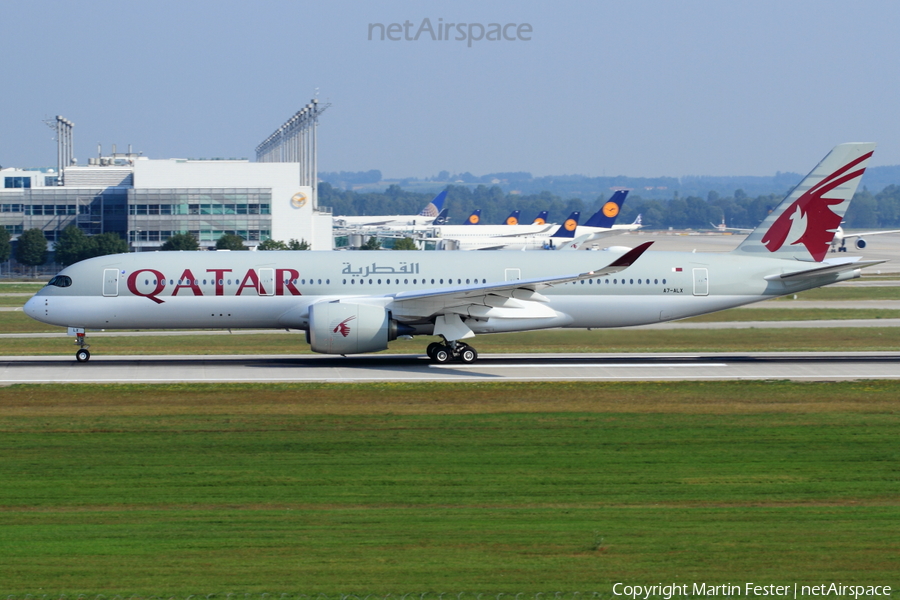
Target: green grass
x: 847, y: 293
x: 794, y: 314
x: 577, y: 340
x: 195, y: 489
x: 20, y: 288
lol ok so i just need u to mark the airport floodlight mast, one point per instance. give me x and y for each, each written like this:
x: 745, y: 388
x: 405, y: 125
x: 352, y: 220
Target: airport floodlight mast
x: 296, y: 141
x: 64, y: 144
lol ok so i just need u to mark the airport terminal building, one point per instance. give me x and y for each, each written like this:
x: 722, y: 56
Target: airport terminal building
x: 147, y: 201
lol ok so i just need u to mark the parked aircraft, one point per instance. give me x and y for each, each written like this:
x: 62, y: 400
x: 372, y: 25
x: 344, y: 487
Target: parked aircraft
x: 426, y: 217
x: 723, y: 228
x: 839, y: 241
x: 355, y: 302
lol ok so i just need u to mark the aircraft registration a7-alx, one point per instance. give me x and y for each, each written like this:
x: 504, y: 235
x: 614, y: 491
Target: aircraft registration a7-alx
x: 355, y: 302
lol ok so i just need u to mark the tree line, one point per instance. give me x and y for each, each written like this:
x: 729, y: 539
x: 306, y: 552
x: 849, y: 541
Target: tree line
x: 881, y: 210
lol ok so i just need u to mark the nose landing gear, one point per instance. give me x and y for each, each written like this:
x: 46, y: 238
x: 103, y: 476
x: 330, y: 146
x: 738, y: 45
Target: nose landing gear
x: 82, y: 354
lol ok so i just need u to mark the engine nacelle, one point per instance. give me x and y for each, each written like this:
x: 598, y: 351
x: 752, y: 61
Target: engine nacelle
x: 345, y: 328
x: 860, y: 243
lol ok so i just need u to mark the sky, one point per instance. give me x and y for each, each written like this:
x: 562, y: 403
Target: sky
x: 642, y: 88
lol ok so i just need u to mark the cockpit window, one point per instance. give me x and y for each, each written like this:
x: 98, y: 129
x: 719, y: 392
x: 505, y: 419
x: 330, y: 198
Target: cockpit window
x: 61, y: 281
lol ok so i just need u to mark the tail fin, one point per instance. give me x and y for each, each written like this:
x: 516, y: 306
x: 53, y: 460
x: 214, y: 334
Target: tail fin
x: 606, y: 216
x: 567, y: 229
x: 637, y: 221
x: 434, y: 207
x: 803, y: 225
x: 541, y: 219
x: 474, y: 218
x: 441, y: 219
x: 513, y: 218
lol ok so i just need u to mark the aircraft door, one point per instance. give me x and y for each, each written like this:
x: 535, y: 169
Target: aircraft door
x: 513, y: 274
x: 110, y: 282
x: 701, y: 282
x: 267, y: 282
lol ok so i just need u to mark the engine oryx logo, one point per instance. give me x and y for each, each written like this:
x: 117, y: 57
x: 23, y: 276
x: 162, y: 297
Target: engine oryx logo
x: 809, y: 220
x: 343, y: 328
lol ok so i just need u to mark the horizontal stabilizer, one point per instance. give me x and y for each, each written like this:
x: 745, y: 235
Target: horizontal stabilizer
x: 826, y: 270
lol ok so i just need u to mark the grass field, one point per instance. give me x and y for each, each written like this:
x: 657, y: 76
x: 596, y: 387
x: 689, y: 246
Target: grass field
x: 576, y: 340
x: 192, y: 489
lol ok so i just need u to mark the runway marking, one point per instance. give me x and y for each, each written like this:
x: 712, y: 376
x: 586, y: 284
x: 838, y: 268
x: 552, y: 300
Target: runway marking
x: 575, y: 366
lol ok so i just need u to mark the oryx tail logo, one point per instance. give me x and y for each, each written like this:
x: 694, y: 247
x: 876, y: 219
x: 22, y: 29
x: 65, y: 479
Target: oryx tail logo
x: 809, y: 220
x: 343, y: 328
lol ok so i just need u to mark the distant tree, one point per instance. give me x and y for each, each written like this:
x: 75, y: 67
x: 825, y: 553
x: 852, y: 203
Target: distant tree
x: 405, y: 244
x: 272, y: 245
x: 180, y: 241
x: 293, y: 244
x: 372, y: 244
x: 108, y: 243
x: 72, y: 246
x: 5, y: 246
x: 230, y: 241
x: 32, y: 248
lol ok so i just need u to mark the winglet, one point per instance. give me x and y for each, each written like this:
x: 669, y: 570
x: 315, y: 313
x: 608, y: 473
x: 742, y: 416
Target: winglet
x: 628, y: 259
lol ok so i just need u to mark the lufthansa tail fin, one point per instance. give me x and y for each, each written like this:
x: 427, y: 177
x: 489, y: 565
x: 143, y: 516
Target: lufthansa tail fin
x: 803, y: 225
x: 513, y: 218
x: 567, y: 229
x: 474, y: 218
x: 606, y: 216
x: 434, y: 208
x: 541, y: 219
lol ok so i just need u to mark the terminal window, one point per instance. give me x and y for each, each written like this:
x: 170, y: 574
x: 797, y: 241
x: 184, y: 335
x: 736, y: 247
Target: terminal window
x: 17, y: 182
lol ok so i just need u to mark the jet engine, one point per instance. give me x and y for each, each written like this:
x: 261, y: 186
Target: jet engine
x: 860, y: 243
x: 346, y: 328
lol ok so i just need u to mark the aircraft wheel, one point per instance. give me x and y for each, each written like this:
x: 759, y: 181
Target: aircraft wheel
x: 442, y: 355
x: 430, y: 350
x: 468, y: 355
x: 83, y: 355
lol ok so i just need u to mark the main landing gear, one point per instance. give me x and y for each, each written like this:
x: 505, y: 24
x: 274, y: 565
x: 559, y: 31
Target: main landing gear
x: 83, y: 354
x: 444, y: 353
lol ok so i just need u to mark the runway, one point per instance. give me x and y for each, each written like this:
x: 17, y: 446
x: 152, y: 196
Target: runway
x: 821, y: 366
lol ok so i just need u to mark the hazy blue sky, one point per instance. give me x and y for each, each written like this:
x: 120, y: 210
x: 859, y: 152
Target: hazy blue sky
x: 638, y: 88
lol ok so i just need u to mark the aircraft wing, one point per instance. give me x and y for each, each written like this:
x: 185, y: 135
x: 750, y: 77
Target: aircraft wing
x: 508, y: 299
x: 868, y: 233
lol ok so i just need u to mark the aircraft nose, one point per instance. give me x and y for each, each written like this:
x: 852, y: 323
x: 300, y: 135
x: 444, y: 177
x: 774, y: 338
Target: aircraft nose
x: 33, y: 307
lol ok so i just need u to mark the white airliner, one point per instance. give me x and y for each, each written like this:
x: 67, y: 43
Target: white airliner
x: 355, y: 302
x: 426, y: 217
x: 838, y: 243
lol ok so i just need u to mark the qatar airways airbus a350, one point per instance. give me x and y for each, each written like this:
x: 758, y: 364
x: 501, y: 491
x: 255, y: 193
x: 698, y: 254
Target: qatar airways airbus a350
x: 354, y: 302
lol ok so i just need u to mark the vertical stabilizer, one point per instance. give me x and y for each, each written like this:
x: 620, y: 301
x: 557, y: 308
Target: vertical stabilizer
x: 434, y: 208
x: 606, y: 216
x: 567, y: 229
x: 803, y: 225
